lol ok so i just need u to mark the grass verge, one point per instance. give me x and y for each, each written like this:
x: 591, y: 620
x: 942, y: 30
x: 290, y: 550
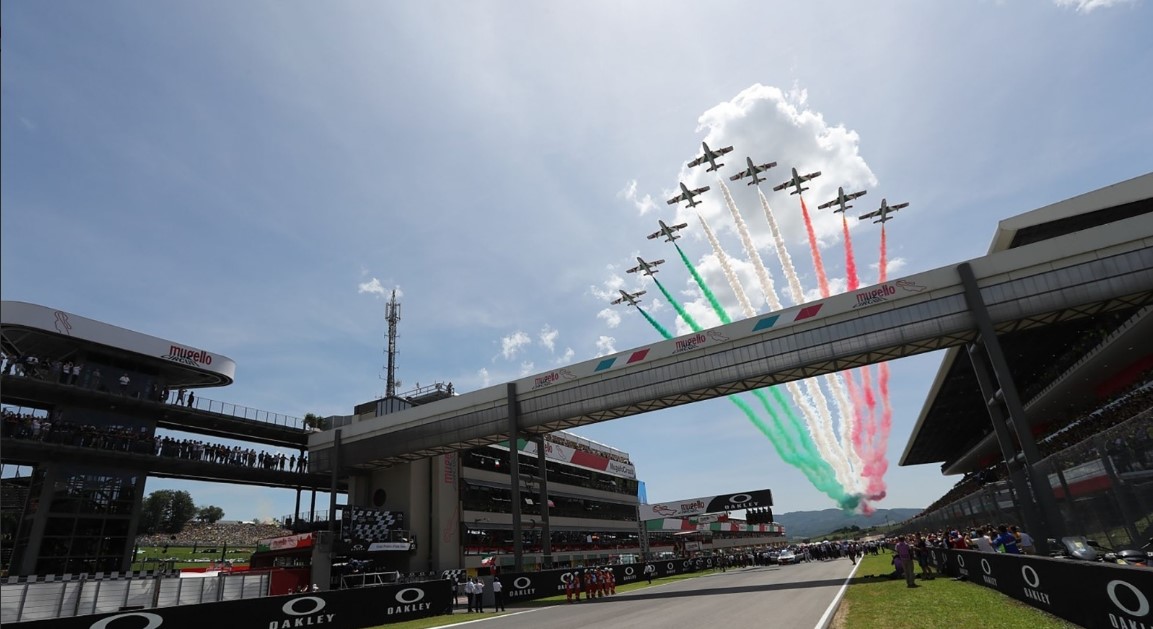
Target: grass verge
x: 874, y: 600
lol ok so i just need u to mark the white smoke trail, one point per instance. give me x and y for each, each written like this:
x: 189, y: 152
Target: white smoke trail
x: 845, y: 409
x: 812, y: 417
x: 816, y: 398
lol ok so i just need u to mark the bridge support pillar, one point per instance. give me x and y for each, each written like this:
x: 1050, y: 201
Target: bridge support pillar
x: 545, y: 531
x: 1004, y: 403
x: 514, y: 477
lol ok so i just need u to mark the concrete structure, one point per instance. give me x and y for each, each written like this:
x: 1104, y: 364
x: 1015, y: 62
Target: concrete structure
x: 94, y: 390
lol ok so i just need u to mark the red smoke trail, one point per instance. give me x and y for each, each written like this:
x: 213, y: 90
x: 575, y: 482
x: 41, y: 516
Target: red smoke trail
x: 857, y: 435
x: 886, y: 408
x: 850, y: 261
x: 822, y: 281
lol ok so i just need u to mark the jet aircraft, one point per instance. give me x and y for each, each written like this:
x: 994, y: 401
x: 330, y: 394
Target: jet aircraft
x: 633, y: 299
x: 796, y: 181
x: 688, y: 195
x: 670, y: 233
x: 842, y: 200
x: 646, y: 268
x: 752, y: 171
x: 883, y: 211
x: 710, y: 156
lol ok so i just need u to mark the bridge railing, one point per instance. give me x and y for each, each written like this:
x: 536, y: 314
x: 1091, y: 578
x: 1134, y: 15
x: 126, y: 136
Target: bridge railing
x: 245, y: 412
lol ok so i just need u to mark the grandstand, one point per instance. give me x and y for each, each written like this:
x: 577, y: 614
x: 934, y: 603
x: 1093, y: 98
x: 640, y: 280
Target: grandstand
x: 1083, y: 381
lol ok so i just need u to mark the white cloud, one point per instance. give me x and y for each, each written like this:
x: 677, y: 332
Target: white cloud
x: 511, y: 345
x: 643, y: 204
x: 607, y: 291
x: 769, y: 124
x: 485, y: 379
x: 611, y: 316
x: 606, y: 345
x: 526, y: 368
x: 1086, y: 6
x: 566, y: 357
x: 548, y: 337
x: 372, y: 286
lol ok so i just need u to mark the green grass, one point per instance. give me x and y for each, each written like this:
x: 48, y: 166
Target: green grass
x: 873, y: 600
x: 184, y: 557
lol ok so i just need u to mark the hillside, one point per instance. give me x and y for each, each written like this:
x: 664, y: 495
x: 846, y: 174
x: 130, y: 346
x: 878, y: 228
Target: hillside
x: 812, y: 524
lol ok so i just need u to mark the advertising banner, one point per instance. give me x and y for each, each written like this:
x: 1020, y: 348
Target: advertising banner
x: 1090, y: 594
x: 579, y: 458
x: 708, y: 504
x: 340, y: 609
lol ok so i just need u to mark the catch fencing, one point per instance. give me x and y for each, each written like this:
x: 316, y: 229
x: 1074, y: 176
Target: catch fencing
x: 1103, y: 486
x: 41, y: 600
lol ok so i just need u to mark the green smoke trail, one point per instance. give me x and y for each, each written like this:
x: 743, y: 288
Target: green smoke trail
x: 717, y: 308
x: 688, y: 318
x: 810, y: 462
x: 784, y: 448
x: 665, y: 333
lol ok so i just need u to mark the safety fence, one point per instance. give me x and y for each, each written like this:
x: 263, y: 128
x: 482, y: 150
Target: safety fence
x: 1103, y: 487
x: 83, y: 596
x: 1089, y: 594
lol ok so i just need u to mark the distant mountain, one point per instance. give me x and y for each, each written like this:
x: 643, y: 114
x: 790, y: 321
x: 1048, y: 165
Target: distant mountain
x: 812, y: 524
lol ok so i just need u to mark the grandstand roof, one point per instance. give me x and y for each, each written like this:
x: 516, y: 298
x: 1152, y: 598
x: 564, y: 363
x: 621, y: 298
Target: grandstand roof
x: 953, y: 427
x: 30, y: 329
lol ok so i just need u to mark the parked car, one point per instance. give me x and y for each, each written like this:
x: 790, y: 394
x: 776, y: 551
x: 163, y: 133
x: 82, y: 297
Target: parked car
x: 786, y: 556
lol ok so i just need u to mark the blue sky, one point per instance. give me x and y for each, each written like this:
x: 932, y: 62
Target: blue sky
x: 235, y: 176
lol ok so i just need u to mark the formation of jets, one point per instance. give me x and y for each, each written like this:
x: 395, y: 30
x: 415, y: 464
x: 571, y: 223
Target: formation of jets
x: 842, y: 200
x: 670, y: 233
x: 646, y: 268
x: 688, y: 195
x: 633, y: 299
x: 883, y: 211
x: 710, y: 156
x: 796, y: 180
x: 752, y: 171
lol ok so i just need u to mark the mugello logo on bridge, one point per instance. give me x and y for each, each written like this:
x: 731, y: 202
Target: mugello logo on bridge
x: 690, y: 343
x: 874, y: 296
x: 192, y: 357
x: 552, y: 377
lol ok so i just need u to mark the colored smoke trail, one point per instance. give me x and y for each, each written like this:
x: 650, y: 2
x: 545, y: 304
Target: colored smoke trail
x: 822, y: 280
x: 701, y: 282
x: 848, y: 414
x: 763, y: 274
x: 850, y: 261
x: 882, y: 463
x: 795, y: 290
x: 810, y: 462
x: 814, y: 406
x: 665, y: 333
x: 685, y: 316
x: 727, y: 267
x: 781, y: 443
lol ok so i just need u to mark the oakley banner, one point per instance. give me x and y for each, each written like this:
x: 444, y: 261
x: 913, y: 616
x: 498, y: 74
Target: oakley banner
x: 708, y: 504
x: 1090, y: 594
x: 340, y: 609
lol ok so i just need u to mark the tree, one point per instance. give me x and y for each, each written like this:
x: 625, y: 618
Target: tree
x: 210, y: 514
x: 167, y: 511
x: 313, y: 421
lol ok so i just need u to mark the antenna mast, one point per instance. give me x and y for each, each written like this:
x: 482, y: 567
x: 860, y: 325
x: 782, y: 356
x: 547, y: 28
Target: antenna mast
x: 392, y: 315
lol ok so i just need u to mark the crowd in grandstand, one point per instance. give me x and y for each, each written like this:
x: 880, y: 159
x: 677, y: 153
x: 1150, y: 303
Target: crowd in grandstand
x: 202, y: 534
x: 1129, y: 447
x: 136, y: 439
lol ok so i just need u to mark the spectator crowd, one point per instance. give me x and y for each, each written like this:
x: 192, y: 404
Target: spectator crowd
x: 42, y: 428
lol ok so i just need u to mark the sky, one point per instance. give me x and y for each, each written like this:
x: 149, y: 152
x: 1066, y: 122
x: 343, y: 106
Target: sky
x: 253, y: 178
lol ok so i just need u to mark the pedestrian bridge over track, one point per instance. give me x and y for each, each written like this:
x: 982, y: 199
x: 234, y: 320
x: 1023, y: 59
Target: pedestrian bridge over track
x: 1097, y: 269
